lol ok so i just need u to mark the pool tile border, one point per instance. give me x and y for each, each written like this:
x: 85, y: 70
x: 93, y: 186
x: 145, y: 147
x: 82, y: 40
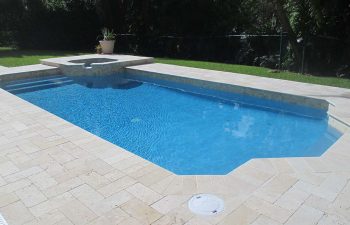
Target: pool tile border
x: 22, y: 72
x: 141, y: 73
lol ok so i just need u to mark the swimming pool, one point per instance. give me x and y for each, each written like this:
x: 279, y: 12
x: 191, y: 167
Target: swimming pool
x: 170, y: 125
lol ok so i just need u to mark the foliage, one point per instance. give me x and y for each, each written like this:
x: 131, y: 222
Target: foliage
x: 51, y: 24
x: 10, y: 14
x: 98, y: 49
x: 108, y: 35
x: 195, y: 29
x: 10, y: 57
x: 261, y: 16
x: 325, y: 28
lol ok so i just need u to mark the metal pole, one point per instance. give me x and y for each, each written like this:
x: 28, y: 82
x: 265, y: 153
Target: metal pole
x: 303, y: 59
x: 281, y: 43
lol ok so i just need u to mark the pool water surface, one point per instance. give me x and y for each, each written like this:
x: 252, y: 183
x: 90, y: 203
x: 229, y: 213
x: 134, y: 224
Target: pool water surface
x: 186, y: 133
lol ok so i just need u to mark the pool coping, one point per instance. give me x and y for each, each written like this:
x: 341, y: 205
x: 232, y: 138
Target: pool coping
x: 21, y: 72
x: 68, y: 66
x: 274, y: 190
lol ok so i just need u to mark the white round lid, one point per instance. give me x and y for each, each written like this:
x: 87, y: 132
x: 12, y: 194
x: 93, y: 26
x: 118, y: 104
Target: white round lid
x: 206, y: 204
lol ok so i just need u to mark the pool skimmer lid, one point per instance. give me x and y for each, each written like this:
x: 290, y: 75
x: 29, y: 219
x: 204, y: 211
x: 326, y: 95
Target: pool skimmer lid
x: 206, y: 204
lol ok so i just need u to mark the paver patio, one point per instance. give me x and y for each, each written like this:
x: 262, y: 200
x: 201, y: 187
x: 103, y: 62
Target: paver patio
x: 53, y: 172
x: 2, y: 68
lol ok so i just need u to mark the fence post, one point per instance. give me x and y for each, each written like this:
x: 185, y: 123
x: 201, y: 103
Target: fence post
x: 303, y: 60
x: 281, y: 44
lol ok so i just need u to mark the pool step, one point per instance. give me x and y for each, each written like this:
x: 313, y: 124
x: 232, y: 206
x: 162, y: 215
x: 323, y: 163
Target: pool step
x: 327, y: 139
x: 29, y: 85
x: 28, y: 82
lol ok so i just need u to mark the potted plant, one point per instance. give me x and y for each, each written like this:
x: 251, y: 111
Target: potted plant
x: 107, y: 44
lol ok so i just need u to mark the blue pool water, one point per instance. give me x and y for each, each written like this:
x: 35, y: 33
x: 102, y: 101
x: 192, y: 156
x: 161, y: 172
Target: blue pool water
x: 183, y: 132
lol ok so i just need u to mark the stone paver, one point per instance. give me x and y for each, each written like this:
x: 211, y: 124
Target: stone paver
x: 7, y: 168
x: 3, y: 68
x: 51, y: 204
x: 264, y: 220
x: 305, y: 216
x: 16, y: 213
x: 142, y: 212
x: 243, y: 215
x: 51, y: 218
x: 77, y: 213
x: 170, y: 202
x: 115, y: 216
x: 270, y: 210
x: 144, y: 193
x: 52, y: 172
x: 6, y: 199
x: 27, y: 71
x: 117, y: 186
x: 43, y: 180
x: 31, y: 196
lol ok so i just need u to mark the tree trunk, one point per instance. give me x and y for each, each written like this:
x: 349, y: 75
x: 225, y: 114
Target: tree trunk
x: 282, y: 15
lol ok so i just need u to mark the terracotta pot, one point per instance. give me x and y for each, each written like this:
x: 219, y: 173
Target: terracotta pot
x: 107, y: 47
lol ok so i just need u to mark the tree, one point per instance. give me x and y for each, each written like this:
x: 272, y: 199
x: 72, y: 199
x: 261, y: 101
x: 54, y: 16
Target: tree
x: 283, y: 18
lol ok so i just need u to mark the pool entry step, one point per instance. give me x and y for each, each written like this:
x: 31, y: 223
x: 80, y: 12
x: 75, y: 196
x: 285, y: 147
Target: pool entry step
x: 35, y: 84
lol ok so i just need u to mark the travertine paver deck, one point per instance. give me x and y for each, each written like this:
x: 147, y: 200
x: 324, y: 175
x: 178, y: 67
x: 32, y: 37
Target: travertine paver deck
x: 2, y: 68
x: 52, y: 172
x: 95, y: 64
x: 27, y: 71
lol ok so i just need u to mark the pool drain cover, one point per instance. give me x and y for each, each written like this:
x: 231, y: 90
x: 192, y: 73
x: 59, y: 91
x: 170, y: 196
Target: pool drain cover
x: 206, y: 204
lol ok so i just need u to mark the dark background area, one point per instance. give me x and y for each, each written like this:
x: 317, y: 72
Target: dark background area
x: 234, y: 31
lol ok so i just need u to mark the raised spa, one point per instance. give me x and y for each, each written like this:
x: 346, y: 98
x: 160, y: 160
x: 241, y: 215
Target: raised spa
x: 88, y: 62
x: 181, y: 128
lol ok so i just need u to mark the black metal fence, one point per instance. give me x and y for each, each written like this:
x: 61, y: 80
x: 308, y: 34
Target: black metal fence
x: 322, y: 55
x: 241, y: 49
x: 326, y: 56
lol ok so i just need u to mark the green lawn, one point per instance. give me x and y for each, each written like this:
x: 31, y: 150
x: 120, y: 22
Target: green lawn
x: 261, y: 71
x: 10, y: 58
